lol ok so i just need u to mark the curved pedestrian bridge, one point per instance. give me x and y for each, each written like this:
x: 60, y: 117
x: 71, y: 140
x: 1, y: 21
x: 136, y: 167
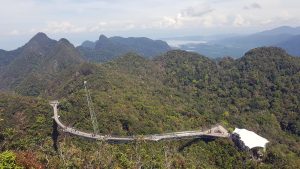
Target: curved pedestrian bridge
x: 214, y: 132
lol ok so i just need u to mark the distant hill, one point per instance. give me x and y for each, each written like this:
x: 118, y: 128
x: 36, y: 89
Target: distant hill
x: 282, y: 30
x: 88, y: 44
x: 292, y: 45
x: 236, y: 46
x: 214, y: 50
x: 106, y: 49
x: 265, y: 38
x: 36, y: 63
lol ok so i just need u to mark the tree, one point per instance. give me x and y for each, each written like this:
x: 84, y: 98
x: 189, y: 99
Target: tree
x: 8, y: 160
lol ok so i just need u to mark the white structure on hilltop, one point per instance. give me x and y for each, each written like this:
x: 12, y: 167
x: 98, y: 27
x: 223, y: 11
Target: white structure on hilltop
x: 249, y: 139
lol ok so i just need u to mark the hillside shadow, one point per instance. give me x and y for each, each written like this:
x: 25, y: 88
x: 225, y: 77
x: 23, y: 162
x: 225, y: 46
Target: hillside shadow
x: 195, y: 141
x: 55, y: 135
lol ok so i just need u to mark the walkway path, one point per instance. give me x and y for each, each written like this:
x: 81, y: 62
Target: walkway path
x: 214, y: 132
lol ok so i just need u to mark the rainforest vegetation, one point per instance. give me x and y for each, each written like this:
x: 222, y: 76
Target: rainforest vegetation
x: 133, y: 95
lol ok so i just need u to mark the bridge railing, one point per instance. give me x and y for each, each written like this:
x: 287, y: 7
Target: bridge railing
x: 216, y: 131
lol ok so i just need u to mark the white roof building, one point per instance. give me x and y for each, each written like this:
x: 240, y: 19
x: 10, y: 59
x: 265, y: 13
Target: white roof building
x: 250, y: 139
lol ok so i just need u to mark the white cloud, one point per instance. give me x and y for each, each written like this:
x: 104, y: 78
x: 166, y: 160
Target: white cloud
x: 14, y: 32
x: 152, y: 17
x: 130, y: 26
x: 196, y: 11
x: 253, y: 6
x: 240, y: 21
x: 188, y: 17
x: 267, y: 21
x: 63, y: 27
x: 215, y: 19
x: 101, y: 26
x: 167, y: 22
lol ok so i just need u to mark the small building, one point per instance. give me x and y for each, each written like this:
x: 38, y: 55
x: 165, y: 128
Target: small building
x: 249, y: 141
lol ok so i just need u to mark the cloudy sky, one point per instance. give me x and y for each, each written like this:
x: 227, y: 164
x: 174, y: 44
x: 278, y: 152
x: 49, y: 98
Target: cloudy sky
x: 79, y: 20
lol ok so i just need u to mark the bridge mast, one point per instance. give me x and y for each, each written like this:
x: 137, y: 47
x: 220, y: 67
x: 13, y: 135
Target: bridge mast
x: 91, y: 109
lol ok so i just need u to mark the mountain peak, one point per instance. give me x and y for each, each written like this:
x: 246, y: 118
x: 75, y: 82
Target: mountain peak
x: 103, y: 43
x: 269, y: 50
x: 180, y: 56
x: 39, y: 43
x: 64, y: 41
x: 102, y: 37
x: 40, y: 37
x: 265, y: 54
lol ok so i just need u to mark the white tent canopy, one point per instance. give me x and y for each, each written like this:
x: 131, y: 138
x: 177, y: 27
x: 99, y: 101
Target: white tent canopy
x: 250, y: 139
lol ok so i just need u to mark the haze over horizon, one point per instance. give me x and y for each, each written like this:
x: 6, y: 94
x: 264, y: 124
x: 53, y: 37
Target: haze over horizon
x: 85, y: 20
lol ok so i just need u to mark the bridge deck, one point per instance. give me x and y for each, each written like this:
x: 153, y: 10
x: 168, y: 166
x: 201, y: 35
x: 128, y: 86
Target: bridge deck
x: 217, y: 131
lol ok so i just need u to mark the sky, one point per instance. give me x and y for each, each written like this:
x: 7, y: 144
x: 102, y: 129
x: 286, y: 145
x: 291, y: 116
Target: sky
x: 79, y: 20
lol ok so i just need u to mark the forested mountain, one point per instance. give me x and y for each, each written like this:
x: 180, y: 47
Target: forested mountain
x: 106, y: 49
x: 175, y: 91
x: 36, y: 64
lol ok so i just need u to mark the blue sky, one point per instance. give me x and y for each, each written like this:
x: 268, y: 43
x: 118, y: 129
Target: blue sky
x: 79, y: 20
